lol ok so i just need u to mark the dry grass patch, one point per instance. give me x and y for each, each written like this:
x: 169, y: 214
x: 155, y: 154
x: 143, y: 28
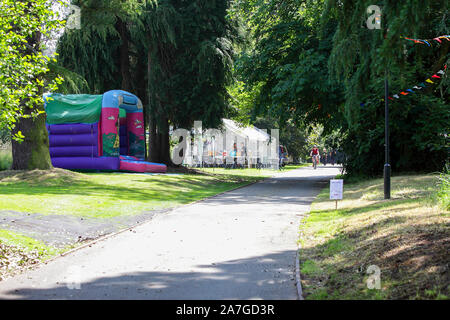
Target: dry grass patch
x: 407, y: 237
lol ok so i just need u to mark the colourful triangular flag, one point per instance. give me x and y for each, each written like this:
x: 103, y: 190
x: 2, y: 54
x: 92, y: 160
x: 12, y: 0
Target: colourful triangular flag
x: 396, y: 96
x: 404, y: 93
x: 410, y: 90
x: 429, y: 81
x: 441, y: 72
x: 417, y: 88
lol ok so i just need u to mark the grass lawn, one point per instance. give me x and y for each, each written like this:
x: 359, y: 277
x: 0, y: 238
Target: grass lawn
x: 407, y: 238
x: 107, y: 195
x: 18, y: 252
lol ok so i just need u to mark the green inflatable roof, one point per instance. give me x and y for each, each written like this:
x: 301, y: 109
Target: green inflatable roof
x: 73, y: 108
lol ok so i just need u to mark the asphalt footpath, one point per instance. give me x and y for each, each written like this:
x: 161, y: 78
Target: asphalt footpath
x: 238, y: 245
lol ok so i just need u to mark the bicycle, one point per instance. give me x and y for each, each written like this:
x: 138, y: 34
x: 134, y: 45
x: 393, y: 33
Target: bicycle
x: 315, y: 160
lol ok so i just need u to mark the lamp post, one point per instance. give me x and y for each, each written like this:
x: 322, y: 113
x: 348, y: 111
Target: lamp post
x: 374, y: 22
x: 387, y: 166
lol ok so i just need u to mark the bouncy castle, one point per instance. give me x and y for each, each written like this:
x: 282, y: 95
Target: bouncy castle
x: 98, y: 132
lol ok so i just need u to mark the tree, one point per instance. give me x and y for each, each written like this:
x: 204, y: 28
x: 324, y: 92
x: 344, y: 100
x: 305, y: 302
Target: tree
x: 184, y: 47
x: 283, y: 71
x: 188, y: 77
x: 315, y: 62
x: 100, y: 51
x: 419, y: 121
x: 22, y: 69
x: 288, y: 62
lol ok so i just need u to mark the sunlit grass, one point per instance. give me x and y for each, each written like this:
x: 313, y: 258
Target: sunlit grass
x: 28, y: 244
x: 107, y: 195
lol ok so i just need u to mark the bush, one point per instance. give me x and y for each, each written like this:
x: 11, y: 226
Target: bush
x: 443, y: 194
x: 418, y: 129
x: 5, y: 159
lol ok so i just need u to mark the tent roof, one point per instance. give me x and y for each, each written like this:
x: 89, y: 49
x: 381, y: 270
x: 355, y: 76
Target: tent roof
x: 249, y: 132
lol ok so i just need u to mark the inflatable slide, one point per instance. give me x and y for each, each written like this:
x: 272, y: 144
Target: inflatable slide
x: 98, y: 132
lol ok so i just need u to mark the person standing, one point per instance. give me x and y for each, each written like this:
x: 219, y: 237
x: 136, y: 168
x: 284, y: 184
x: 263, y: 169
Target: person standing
x: 244, y: 153
x: 324, y: 157
x: 333, y: 156
x: 234, y: 155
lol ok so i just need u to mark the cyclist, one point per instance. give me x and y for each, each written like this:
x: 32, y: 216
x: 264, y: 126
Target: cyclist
x: 315, y: 156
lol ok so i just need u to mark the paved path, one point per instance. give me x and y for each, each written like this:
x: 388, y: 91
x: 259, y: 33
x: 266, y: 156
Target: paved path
x: 238, y: 245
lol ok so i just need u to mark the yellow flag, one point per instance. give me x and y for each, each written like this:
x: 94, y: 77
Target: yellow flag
x: 429, y: 81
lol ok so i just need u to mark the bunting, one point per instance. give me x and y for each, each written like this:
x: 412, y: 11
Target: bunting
x: 429, y: 42
x: 413, y: 90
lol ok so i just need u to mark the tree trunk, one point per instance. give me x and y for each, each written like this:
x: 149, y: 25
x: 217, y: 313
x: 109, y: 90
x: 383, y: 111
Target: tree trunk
x: 142, y: 93
x: 124, y: 51
x: 154, y: 140
x: 165, y: 143
x: 33, y: 152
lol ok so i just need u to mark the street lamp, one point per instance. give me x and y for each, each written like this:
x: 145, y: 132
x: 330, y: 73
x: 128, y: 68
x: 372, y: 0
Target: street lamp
x: 387, y: 166
x: 374, y: 22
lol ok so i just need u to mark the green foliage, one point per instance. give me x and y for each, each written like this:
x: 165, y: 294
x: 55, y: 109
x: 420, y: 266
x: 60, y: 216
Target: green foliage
x: 90, y: 56
x: 443, y: 194
x: 359, y: 59
x: 288, y: 62
x: 192, y: 62
x: 22, y: 63
x: 179, y: 57
x: 293, y: 137
x: 315, y: 62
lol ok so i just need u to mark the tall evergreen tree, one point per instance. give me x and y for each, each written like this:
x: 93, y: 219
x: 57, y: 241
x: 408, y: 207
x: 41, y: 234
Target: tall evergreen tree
x: 185, y: 47
x: 188, y: 76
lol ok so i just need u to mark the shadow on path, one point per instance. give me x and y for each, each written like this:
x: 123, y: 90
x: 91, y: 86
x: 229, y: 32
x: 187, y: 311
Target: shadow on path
x: 257, y: 277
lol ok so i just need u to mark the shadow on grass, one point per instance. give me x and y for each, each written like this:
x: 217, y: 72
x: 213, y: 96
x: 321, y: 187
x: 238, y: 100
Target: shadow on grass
x: 179, y: 190
x: 156, y: 189
x: 326, y: 214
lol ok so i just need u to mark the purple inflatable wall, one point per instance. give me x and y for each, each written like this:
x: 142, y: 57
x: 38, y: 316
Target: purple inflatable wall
x: 76, y: 146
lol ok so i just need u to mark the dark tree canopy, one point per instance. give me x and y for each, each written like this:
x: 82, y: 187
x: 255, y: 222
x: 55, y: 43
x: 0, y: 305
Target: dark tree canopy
x: 176, y: 55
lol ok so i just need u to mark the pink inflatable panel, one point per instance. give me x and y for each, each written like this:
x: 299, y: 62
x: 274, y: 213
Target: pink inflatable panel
x: 128, y: 163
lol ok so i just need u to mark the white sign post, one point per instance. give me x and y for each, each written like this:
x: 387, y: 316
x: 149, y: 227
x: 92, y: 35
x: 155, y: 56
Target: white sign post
x: 336, y: 190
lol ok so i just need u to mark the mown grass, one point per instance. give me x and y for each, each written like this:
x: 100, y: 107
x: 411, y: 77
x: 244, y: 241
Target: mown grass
x: 108, y: 195
x: 27, y: 244
x: 407, y: 237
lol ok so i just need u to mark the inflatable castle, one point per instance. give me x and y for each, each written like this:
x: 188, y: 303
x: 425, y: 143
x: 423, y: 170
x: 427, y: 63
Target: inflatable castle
x: 98, y: 132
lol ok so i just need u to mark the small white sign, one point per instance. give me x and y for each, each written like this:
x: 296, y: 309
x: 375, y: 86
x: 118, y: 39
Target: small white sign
x: 336, y: 189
